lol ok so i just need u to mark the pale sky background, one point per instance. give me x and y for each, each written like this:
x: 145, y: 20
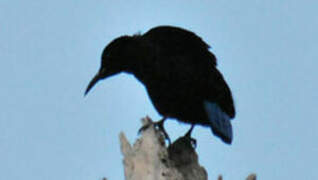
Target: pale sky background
x: 49, y: 50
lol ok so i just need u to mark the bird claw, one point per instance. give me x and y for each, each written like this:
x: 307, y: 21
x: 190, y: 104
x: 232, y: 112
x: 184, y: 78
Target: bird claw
x: 159, y: 126
x: 193, y: 142
x: 143, y: 128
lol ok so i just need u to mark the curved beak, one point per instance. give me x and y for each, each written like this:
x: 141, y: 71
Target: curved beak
x: 96, y: 78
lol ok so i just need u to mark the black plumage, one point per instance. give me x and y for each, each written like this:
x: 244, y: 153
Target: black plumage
x: 179, y: 73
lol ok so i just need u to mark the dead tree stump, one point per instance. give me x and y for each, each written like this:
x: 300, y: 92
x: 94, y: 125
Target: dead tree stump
x: 150, y: 159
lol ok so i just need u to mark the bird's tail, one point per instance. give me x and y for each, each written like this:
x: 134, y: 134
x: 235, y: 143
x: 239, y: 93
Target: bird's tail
x: 220, y: 122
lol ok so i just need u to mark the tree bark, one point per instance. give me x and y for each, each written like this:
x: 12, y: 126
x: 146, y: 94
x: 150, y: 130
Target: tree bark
x: 150, y: 159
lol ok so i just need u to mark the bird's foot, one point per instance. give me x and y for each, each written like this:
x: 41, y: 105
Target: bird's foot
x: 192, y: 140
x: 159, y: 126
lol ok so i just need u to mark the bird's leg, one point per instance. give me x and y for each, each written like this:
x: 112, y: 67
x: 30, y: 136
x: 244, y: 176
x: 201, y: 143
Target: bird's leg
x: 188, y: 135
x: 158, y: 125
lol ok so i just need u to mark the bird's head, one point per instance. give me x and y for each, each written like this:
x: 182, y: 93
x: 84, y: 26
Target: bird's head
x: 119, y: 56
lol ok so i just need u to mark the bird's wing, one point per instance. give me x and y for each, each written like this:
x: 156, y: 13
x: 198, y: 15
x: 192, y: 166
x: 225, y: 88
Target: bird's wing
x: 219, y: 92
x: 189, y: 60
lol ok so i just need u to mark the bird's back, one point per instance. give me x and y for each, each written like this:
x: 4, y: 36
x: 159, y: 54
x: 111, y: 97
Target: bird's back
x: 174, y: 41
x: 184, y: 71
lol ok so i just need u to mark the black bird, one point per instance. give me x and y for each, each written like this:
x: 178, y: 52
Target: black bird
x: 179, y: 73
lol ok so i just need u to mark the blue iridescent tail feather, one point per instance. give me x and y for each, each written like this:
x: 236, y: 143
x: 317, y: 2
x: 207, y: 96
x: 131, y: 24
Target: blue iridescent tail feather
x: 220, y: 122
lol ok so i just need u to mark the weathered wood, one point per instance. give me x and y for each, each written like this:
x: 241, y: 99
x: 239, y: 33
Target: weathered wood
x: 150, y: 159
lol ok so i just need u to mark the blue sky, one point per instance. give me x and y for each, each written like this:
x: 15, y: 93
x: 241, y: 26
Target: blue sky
x: 49, y: 50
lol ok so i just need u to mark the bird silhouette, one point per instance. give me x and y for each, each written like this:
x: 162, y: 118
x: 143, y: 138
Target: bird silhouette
x: 179, y: 73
